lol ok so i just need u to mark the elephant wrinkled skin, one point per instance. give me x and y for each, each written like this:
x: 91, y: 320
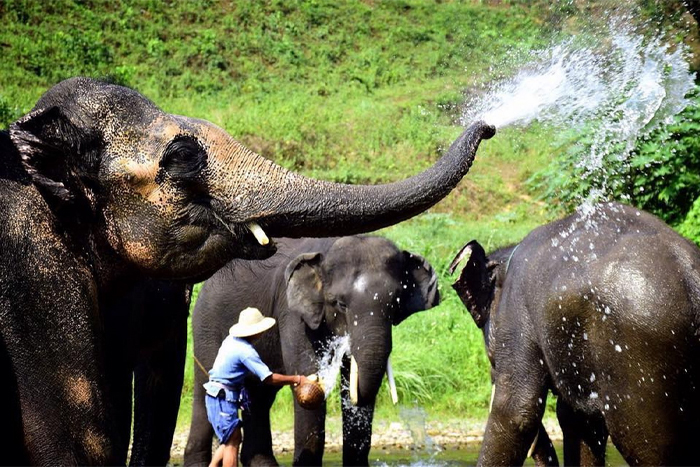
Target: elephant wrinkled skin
x: 99, y: 189
x: 317, y: 289
x: 603, y: 308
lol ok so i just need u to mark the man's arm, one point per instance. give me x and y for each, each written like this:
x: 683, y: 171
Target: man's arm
x: 276, y: 379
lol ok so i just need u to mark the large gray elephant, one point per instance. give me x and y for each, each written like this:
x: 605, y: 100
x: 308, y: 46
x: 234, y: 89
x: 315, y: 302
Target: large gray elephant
x: 317, y: 289
x: 603, y: 309
x: 100, y: 188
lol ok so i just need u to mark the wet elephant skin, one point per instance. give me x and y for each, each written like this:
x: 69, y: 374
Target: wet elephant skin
x: 602, y: 308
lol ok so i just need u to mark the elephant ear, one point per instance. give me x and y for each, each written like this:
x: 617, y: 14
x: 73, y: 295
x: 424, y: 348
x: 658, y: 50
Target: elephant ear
x: 54, y: 152
x: 420, y: 287
x: 305, y: 288
x: 474, y: 285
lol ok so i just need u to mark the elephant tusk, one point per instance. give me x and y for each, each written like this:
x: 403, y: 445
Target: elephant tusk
x: 256, y: 230
x: 493, y: 393
x: 354, y: 379
x: 392, y: 383
x: 532, y: 448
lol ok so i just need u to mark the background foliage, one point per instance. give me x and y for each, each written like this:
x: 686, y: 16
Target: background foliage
x: 363, y: 92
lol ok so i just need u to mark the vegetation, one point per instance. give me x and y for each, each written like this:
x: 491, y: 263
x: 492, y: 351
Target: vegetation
x: 356, y: 92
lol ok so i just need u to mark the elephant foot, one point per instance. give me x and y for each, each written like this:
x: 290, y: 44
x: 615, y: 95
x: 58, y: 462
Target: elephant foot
x: 263, y: 460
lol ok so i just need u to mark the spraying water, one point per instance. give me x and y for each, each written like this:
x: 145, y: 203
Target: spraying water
x: 616, y: 91
x: 331, y: 360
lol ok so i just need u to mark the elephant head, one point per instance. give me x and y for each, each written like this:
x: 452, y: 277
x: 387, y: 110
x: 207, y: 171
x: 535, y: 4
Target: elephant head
x: 361, y: 287
x: 480, y: 283
x: 178, y: 197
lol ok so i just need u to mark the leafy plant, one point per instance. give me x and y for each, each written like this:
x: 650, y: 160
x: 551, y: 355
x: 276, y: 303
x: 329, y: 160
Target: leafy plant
x: 661, y: 174
x: 8, y: 113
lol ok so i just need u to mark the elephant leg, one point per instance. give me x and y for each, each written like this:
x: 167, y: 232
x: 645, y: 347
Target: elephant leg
x: 121, y: 391
x: 158, y: 387
x: 309, y: 435
x: 12, y: 441
x: 543, y: 452
x: 516, y: 414
x: 357, y: 425
x: 206, y: 342
x: 119, y: 362
x: 199, y: 440
x: 257, y: 434
x: 585, y: 436
x: 301, y: 357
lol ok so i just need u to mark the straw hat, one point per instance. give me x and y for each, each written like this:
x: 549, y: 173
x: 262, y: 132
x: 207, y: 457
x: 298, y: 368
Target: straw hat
x: 251, y: 322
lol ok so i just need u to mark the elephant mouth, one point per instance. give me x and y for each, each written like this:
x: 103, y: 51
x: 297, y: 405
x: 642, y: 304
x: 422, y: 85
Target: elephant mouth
x: 256, y: 246
x: 252, y: 227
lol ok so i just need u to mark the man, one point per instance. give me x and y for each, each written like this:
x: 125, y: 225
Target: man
x: 236, y: 358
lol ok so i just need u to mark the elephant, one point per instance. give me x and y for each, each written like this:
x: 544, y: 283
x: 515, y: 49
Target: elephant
x: 100, y: 188
x: 317, y: 289
x: 602, y: 308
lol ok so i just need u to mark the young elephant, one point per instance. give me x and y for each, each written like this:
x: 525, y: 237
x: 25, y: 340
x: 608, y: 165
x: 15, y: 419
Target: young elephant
x: 602, y: 308
x: 316, y: 289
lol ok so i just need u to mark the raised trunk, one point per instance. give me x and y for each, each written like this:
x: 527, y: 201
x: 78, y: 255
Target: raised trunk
x: 285, y: 203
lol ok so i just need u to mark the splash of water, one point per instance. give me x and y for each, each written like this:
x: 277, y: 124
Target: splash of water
x: 616, y: 92
x: 624, y: 77
x: 331, y: 360
x: 415, y: 420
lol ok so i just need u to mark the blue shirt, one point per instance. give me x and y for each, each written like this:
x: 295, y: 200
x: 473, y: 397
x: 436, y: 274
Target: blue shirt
x: 236, y: 358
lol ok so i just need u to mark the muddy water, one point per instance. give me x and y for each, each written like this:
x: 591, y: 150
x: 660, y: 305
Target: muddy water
x: 464, y: 456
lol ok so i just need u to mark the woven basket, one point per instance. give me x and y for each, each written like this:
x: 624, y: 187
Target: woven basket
x: 310, y: 395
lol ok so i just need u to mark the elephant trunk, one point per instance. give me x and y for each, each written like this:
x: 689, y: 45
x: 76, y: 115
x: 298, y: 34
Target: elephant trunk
x: 370, y: 353
x: 287, y: 204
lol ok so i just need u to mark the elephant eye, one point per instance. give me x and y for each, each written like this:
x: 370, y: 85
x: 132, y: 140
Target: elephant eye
x: 183, y: 160
x: 339, y: 305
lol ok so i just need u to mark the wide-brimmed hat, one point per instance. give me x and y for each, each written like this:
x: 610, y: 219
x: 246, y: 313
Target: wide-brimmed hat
x: 251, y: 322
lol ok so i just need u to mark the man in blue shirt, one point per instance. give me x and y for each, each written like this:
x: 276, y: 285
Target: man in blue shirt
x: 236, y: 358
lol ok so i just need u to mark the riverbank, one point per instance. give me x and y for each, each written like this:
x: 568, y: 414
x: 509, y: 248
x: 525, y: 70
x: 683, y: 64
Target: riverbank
x: 392, y: 436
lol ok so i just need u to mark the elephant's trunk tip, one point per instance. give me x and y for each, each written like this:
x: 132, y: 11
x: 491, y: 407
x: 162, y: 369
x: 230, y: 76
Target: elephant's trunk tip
x: 487, y: 130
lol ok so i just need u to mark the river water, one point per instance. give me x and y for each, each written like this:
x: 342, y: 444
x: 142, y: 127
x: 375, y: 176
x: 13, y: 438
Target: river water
x: 464, y: 456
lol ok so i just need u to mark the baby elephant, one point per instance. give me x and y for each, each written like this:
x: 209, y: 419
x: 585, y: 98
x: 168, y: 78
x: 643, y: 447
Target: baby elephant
x: 603, y: 308
x: 317, y: 289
